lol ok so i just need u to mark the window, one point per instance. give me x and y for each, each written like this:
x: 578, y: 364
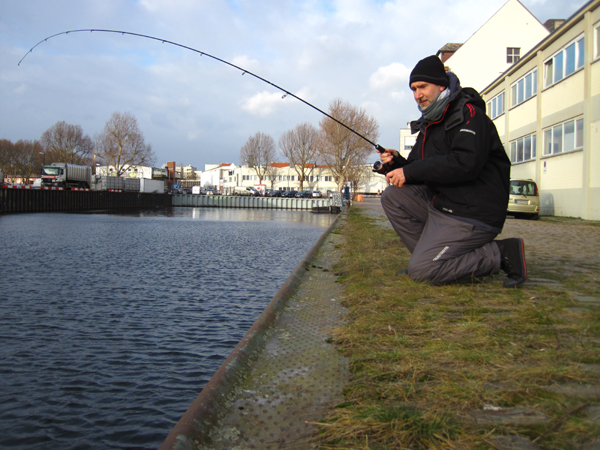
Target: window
x: 564, y: 137
x: 495, y: 106
x: 513, y: 54
x: 523, y: 149
x: 597, y: 41
x: 565, y: 62
x: 524, y: 88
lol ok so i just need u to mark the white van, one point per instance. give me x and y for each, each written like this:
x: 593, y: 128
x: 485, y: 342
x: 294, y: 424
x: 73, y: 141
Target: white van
x: 246, y: 190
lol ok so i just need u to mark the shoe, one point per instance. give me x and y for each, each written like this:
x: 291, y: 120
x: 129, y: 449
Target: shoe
x: 402, y: 272
x: 512, y: 261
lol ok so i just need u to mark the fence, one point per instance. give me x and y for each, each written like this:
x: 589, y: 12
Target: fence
x: 222, y: 201
x: 41, y: 200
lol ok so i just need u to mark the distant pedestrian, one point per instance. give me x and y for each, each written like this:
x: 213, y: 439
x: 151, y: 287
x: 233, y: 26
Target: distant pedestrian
x: 448, y: 200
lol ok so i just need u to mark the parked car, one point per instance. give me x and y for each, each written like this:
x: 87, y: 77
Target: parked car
x: 186, y: 191
x: 317, y: 194
x: 275, y: 193
x: 524, y: 199
x: 304, y: 194
x: 289, y: 194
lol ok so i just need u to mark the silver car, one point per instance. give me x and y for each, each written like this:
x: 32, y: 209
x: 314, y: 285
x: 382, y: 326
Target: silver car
x: 524, y: 199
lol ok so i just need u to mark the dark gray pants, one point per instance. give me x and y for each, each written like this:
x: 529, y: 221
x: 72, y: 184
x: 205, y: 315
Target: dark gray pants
x: 444, y: 249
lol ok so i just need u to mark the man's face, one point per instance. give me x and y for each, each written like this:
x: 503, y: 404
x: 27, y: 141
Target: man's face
x: 425, y: 93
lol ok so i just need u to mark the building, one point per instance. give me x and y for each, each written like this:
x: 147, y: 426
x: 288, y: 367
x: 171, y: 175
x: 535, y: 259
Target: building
x: 546, y: 108
x: 283, y: 176
x: 494, y: 47
x: 407, y: 141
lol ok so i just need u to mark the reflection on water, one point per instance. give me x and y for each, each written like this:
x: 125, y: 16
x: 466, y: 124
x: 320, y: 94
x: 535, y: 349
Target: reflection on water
x: 110, y: 324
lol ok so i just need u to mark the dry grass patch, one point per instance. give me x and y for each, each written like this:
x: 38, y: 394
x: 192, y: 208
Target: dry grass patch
x: 458, y: 366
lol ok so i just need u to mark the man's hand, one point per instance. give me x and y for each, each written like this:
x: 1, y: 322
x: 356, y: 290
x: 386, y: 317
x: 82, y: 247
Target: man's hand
x: 396, y: 177
x: 387, y: 156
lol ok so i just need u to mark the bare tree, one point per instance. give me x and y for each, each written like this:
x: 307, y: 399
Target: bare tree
x: 7, y: 149
x: 342, y: 150
x: 64, y: 142
x: 300, y: 146
x: 359, y: 175
x: 121, y: 144
x: 26, y: 158
x: 259, y: 152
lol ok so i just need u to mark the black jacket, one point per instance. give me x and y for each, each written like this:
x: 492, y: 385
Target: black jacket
x: 462, y: 161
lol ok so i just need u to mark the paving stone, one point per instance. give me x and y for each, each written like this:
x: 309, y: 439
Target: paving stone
x: 514, y: 442
x: 587, y: 391
x: 586, y: 299
x: 592, y: 412
x: 591, y: 367
x: 518, y: 416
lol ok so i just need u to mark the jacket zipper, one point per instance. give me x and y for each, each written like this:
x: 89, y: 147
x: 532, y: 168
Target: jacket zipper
x: 423, y: 145
x: 425, y: 132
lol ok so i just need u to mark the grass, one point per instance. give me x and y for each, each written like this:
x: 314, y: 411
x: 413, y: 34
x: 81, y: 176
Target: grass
x: 437, y: 367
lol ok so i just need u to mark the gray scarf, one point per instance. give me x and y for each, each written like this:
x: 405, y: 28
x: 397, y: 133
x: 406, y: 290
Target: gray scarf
x: 435, y: 110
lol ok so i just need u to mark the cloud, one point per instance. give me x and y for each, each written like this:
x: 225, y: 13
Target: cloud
x: 246, y: 63
x: 262, y: 104
x: 390, y: 77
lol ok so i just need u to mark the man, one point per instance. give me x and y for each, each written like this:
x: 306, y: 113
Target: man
x: 448, y: 200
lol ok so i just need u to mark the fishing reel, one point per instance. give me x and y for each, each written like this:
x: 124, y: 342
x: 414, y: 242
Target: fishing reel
x: 397, y: 161
x: 380, y: 168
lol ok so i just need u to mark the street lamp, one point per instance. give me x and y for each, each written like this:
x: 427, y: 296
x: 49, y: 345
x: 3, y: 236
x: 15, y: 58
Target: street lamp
x: 44, y: 156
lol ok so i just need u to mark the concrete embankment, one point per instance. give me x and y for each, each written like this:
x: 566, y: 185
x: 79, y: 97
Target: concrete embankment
x: 284, y: 374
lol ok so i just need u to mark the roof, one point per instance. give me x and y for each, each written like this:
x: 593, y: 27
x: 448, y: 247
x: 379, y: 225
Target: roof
x: 450, y: 47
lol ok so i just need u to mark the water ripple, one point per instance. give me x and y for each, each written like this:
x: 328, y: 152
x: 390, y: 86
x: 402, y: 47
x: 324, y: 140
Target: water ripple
x: 110, y: 325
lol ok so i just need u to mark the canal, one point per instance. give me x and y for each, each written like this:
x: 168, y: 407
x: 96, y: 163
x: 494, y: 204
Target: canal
x: 111, y: 324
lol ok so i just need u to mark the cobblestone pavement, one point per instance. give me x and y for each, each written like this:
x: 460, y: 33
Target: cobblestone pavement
x: 556, y: 248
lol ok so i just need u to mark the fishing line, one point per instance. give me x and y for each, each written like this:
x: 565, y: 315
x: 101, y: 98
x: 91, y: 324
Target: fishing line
x: 379, y: 148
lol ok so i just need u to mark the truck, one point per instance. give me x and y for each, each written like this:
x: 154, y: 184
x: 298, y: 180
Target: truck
x: 152, y: 186
x: 63, y: 175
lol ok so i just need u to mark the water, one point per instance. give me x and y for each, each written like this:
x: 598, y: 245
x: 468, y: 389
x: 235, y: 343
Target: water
x: 111, y: 324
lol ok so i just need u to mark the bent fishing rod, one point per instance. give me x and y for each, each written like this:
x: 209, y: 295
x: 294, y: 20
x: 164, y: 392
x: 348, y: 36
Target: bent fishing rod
x: 378, y: 147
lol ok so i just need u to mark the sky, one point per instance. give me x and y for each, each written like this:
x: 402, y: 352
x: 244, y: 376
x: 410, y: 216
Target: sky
x: 195, y: 110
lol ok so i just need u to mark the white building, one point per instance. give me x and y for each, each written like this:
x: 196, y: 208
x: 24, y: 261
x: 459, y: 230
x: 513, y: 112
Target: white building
x: 407, y: 141
x: 546, y: 108
x: 493, y: 48
x: 282, y: 176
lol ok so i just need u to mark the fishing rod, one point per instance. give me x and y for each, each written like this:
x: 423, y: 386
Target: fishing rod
x: 378, y: 147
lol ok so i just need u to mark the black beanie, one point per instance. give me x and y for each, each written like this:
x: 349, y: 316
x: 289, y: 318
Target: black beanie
x: 430, y: 70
